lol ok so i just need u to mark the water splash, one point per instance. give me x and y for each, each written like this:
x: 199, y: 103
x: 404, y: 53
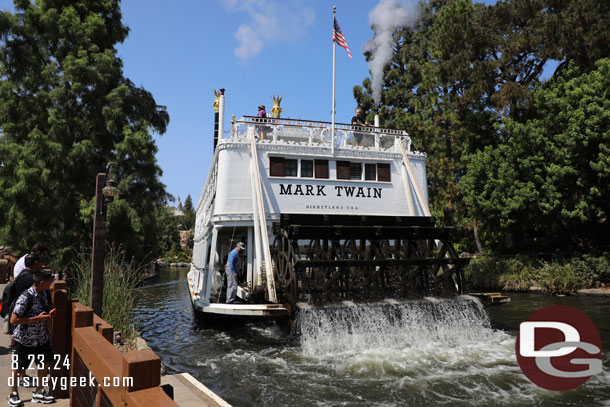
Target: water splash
x: 366, y: 327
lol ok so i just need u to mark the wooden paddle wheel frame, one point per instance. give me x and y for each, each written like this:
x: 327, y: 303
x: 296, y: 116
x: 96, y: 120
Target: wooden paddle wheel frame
x: 320, y: 259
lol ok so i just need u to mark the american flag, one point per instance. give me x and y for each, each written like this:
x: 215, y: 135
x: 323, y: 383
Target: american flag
x: 340, y: 38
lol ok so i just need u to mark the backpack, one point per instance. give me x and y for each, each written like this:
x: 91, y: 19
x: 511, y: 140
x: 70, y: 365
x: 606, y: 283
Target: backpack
x: 10, y: 295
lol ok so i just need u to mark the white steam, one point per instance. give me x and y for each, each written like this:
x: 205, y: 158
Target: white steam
x: 269, y: 22
x: 387, y: 17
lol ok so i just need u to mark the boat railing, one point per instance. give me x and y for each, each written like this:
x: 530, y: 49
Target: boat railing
x: 318, y: 133
x: 204, y: 207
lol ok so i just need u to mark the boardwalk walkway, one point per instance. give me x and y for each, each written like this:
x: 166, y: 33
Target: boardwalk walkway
x: 5, y: 367
x: 188, y: 392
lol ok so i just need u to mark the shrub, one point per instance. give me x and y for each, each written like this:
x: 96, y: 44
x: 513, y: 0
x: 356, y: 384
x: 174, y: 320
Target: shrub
x: 491, y: 273
x: 558, y: 278
x: 517, y: 280
x: 483, y: 273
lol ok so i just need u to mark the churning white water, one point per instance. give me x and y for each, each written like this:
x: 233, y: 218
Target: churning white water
x: 440, y: 349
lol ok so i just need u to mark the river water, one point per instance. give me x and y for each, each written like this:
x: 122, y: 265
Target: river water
x: 445, y: 353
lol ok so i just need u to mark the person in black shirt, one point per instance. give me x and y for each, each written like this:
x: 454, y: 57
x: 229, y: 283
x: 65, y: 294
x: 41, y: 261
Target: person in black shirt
x: 359, y: 120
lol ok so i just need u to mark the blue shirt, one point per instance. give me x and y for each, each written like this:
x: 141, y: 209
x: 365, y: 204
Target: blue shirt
x: 234, y: 260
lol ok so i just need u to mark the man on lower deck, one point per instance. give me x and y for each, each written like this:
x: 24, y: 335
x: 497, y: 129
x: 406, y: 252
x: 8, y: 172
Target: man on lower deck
x: 231, y: 272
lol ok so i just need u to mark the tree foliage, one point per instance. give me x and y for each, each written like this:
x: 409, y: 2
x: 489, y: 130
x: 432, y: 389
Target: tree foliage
x: 188, y: 219
x: 66, y: 110
x: 550, y: 179
x: 463, y: 68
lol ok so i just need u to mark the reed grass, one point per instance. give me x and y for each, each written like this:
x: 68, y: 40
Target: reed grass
x: 122, y: 280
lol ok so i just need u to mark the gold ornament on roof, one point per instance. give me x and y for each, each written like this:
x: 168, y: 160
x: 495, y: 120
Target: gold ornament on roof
x: 216, y: 102
x: 276, y: 109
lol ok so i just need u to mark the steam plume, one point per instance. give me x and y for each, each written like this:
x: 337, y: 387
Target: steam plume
x: 386, y: 18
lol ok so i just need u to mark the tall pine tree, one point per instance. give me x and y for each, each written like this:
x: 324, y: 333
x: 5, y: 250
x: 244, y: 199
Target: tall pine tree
x: 66, y: 110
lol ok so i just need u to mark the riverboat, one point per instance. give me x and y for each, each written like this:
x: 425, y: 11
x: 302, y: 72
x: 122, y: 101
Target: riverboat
x: 328, y: 212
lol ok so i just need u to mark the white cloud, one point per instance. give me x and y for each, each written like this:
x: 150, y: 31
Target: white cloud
x: 269, y: 22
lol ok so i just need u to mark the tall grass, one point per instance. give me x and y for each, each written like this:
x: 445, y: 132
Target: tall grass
x: 122, y: 279
x: 558, y: 278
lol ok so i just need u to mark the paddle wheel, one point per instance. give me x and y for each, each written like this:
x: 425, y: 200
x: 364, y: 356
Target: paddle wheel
x: 323, y: 259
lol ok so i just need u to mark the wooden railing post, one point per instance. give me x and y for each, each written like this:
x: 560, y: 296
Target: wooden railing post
x: 82, y: 316
x: 60, y: 342
x: 144, y: 367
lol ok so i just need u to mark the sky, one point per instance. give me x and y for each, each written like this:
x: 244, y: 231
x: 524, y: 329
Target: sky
x: 182, y: 50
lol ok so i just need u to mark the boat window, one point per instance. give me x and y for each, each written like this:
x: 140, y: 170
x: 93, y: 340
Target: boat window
x: 342, y: 169
x: 370, y: 172
x: 276, y: 166
x: 307, y: 168
x: 321, y: 168
x: 291, y: 168
x: 355, y: 170
x: 383, y: 173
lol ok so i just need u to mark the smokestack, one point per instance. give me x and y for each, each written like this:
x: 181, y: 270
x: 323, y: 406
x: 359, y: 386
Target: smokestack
x: 376, y: 120
x: 216, y: 105
x: 221, y: 115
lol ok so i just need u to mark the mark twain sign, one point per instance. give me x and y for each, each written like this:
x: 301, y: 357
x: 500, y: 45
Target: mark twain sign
x: 340, y: 197
x: 337, y: 190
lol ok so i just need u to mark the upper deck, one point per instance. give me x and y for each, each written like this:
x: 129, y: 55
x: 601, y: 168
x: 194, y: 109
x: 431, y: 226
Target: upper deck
x: 307, y: 133
x: 359, y: 171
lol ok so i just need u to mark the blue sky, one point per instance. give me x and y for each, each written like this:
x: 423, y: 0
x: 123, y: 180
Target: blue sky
x: 182, y: 50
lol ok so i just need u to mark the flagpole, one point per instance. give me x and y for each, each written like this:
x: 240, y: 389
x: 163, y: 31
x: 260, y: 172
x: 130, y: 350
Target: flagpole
x: 332, y: 110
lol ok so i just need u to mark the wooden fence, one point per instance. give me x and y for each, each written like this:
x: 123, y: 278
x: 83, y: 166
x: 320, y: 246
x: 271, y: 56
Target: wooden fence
x: 89, y: 366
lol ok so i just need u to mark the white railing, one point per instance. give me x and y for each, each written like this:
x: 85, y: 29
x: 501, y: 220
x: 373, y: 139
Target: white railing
x: 204, y: 206
x: 316, y: 133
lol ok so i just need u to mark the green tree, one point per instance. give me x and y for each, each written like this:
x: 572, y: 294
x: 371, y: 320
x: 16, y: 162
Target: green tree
x: 65, y: 111
x: 169, y: 237
x: 549, y: 181
x: 188, y: 219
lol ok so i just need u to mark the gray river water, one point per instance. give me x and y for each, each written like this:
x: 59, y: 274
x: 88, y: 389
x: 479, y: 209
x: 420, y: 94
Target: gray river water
x: 447, y: 353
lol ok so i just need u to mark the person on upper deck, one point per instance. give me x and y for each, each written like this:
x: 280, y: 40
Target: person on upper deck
x: 262, y: 113
x: 359, y: 120
x: 231, y: 272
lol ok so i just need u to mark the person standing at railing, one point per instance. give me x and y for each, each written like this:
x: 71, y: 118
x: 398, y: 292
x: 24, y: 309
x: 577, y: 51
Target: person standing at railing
x: 262, y: 116
x: 262, y: 113
x: 39, y: 249
x: 32, y: 311
x: 359, y: 120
